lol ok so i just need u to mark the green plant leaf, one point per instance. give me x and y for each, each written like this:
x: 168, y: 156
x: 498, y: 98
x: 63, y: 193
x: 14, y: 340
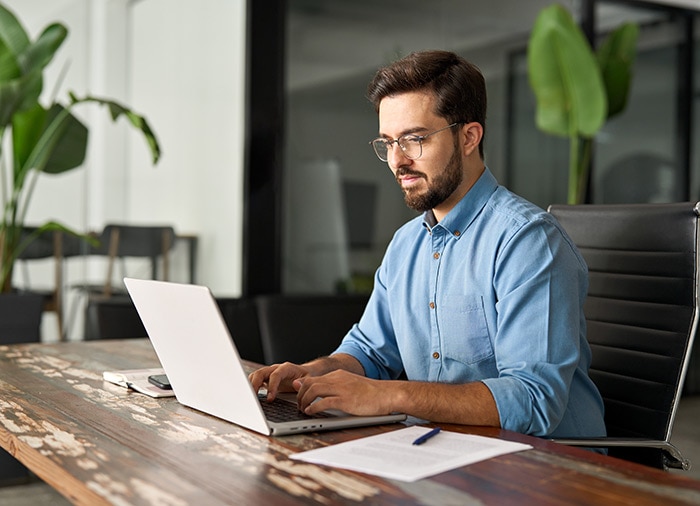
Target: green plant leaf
x: 52, y: 141
x: 12, y: 35
x: 26, y: 132
x: 18, y: 95
x: 22, y: 63
x: 616, y: 58
x: 9, y: 66
x: 564, y: 76
x: 70, y: 144
x: 54, y: 226
x: 138, y: 121
x: 42, y: 51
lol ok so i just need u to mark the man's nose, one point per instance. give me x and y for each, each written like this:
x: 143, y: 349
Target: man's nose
x: 396, y: 157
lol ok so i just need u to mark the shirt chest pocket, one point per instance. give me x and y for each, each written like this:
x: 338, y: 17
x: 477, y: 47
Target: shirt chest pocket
x: 464, y: 334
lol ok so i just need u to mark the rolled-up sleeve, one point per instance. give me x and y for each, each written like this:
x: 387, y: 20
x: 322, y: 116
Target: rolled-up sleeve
x: 372, y: 340
x: 539, y: 284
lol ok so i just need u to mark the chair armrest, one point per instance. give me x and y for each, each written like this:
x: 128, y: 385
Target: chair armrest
x: 672, y: 455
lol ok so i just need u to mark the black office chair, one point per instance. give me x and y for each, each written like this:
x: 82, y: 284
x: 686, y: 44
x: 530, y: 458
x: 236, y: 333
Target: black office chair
x: 642, y: 315
x: 116, y: 244
x: 55, y: 246
x: 113, y: 317
x: 119, y: 241
x: 299, y: 328
x: 241, y: 317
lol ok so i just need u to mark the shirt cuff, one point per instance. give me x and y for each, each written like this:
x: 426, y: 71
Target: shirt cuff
x: 514, y: 405
x: 355, y: 351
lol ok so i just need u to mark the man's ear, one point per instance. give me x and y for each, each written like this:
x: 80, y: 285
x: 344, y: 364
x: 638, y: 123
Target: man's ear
x: 470, y: 137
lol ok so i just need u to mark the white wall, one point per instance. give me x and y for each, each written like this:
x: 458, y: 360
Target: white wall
x: 181, y: 64
x: 188, y: 72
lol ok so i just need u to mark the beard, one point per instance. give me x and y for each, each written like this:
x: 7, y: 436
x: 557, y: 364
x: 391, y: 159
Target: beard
x: 438, y: 190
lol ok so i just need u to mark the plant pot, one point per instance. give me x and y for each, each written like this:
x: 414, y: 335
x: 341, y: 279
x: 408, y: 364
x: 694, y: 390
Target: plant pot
x: 20, y: 317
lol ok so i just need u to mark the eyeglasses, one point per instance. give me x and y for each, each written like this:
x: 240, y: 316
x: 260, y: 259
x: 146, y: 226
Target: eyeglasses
x: 410, y: 144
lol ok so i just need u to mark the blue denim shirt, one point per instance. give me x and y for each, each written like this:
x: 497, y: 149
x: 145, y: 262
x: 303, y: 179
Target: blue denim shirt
x: 492, y: 293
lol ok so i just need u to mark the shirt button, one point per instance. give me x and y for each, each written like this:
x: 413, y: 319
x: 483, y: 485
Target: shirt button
x: 457, y: 232
x: 432, y: 305
x: 436, y: 355
x: 436, y: 255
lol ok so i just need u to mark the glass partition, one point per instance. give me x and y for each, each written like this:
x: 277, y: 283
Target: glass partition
x: 636, y: 153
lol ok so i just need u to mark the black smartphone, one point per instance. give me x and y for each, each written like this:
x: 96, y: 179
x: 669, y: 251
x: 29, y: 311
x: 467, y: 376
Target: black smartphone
x: 161, y: 381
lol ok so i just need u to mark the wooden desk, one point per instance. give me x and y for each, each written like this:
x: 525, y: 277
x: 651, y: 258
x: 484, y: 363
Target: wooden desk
x: 98, y: 443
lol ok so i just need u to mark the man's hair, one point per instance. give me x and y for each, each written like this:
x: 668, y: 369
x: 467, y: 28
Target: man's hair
x: 458, y: 85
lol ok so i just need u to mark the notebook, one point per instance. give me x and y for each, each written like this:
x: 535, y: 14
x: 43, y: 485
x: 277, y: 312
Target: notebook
x: 199, y: 356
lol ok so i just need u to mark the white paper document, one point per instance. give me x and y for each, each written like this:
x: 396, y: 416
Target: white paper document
x: 393, y: 455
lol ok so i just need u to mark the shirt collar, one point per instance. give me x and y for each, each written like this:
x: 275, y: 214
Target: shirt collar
x: 462, y: 214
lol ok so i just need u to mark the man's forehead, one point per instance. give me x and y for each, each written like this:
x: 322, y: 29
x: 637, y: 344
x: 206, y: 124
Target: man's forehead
x: 406, y: 112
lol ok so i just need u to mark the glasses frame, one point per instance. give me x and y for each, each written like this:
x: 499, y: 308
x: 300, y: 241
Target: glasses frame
x: 413, y: 137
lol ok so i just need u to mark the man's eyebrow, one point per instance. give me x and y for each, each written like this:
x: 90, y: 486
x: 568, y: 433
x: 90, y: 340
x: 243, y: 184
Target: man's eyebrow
x: 408, y: 131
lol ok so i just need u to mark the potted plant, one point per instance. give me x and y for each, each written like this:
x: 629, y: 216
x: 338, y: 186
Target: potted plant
x: 37, y: 139
x: 578, y: 89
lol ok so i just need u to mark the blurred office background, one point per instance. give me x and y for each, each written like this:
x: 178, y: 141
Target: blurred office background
x: 261, y: 112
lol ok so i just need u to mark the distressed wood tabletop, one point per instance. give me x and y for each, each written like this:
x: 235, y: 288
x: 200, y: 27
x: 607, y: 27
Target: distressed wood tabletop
x: 98, y: 443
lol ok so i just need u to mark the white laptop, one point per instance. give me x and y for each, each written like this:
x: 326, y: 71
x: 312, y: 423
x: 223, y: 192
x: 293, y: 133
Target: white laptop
x: 199, y: 357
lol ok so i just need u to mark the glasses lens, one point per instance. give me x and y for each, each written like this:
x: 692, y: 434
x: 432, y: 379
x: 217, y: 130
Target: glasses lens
x: 380, y: 147
x: 411, y: 145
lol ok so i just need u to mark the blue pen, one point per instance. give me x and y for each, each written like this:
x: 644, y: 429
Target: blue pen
x: 426, y: 436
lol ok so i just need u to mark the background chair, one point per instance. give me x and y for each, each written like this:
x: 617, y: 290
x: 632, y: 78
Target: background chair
x: 119, y: 241
x: 118, y: 245
x: 49, y: 245
x: 113, y: 317
x: 642, y: 315
x: 299, y: 328
x: 241, y: 317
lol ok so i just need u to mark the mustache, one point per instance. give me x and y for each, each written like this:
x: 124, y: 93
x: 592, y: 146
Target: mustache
x: 403, y: 171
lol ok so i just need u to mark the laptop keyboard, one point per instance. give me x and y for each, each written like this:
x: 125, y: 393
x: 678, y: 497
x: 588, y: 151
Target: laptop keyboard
x: 283, y: 411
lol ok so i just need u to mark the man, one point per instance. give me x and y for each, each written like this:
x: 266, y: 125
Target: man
x: 478, y: 301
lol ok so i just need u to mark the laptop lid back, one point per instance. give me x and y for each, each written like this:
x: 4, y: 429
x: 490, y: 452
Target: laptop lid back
x: 196, y: 350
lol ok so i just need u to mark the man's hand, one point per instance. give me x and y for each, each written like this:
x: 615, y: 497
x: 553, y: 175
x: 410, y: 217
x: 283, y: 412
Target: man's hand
x: 345, y: 391
x: 277, y: 378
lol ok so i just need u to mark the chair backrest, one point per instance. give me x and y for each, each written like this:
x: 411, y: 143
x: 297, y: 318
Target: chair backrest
x: 48, y: 244
x: 641, y: 309
x: 56, y: 245
x: 113, y: 317
x: 299, y: 328
x: 241, y: 317
x: 152, y: 242
x: 137, y: 240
